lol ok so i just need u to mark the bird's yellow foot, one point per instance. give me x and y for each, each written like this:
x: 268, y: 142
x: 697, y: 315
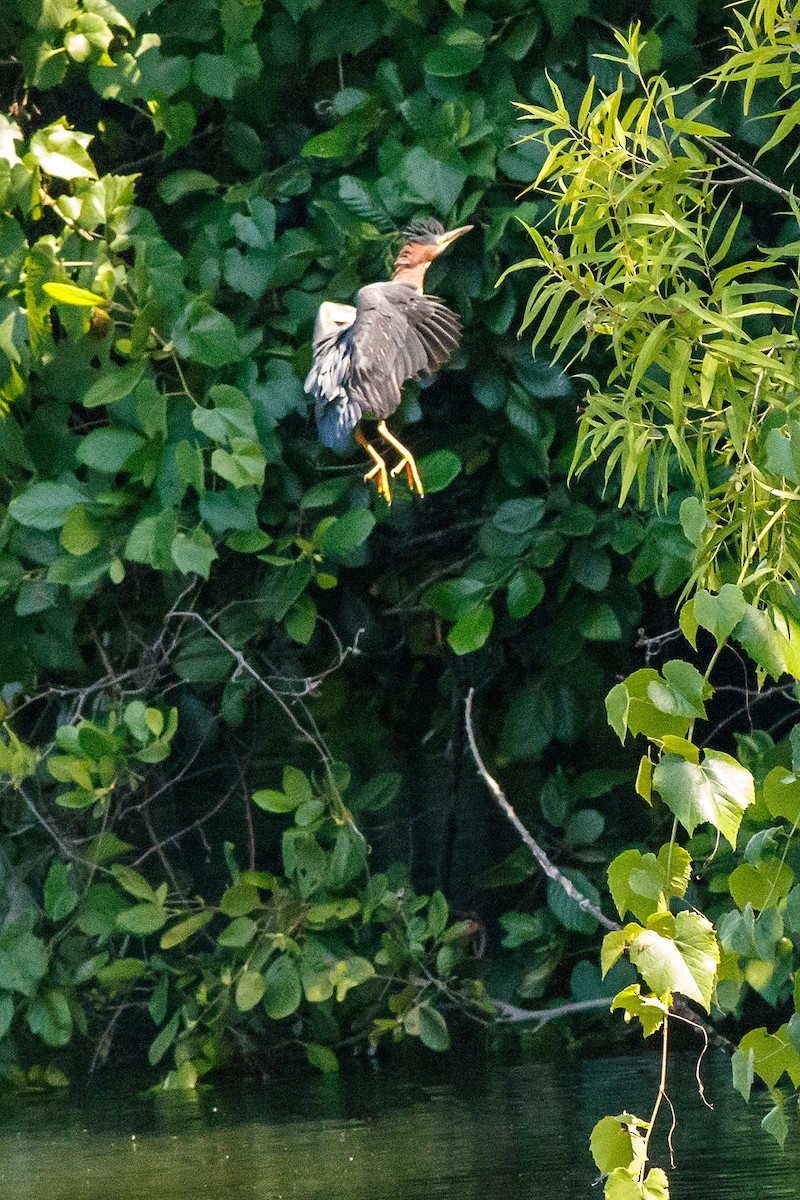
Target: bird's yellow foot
x: 406, y: 460
x: 379, y: 469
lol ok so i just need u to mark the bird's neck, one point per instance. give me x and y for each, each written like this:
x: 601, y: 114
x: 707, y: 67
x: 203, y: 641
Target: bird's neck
x: 411, y: 273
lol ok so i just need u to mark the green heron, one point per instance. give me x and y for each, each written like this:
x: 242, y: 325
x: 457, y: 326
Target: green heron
x: 363, y: 354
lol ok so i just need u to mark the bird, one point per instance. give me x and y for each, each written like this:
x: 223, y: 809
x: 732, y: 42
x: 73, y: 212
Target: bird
x: 364, y: 353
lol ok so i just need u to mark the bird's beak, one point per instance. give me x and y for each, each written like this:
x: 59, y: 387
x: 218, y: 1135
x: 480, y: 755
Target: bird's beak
x: 446, y: 239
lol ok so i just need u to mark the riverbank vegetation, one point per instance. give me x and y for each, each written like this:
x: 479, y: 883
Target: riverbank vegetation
x: 241, y: 814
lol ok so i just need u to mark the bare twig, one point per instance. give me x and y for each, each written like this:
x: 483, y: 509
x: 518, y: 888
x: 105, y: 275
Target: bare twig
x: 550, y: 870
x: 679, y: 1007
x: 511, y: 1013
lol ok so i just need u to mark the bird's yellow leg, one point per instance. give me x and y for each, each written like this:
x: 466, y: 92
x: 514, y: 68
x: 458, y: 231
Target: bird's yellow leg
x: 379, y: 469
x: 406, y: 460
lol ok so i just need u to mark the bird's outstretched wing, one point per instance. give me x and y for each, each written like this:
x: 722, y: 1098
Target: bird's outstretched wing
x: 397, y: 334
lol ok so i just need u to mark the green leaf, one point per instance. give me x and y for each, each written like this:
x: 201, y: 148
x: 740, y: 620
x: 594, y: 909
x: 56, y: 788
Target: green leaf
x: 143, y: 919
x: 630, y: 708
x: 61, y: 152
x: 761, y: 886
x: 438, y: 470
x: 720, y: 614
x: 178, y: 184
x: 432, y: 179
x: 525, y: 591
x: 457, y: 52
x: 717, y: 790
x: 133, y: 883
x: 521, y: 928
x: 240, y: 932
x: 193, y: 553
x: 348, y: 532
x: 322, y: 1057
x: 205, y: 335
x: 249, y: 990
x: 71, y: 294
x: 243, y: 466
x: 649, y: 1010
x: 45, y: 505
x: 518, y: 516
x: 616, y: 1143
x: 567, y: 910
x: 621, y: 1185
x: 772, y: 1055
x: 678, y: 954
x: 636, y: 882
x: 282, y: 989
x: 107, y: 450
x: 163, y: 1040
x: 184, y: 929
x: 775, y: 1123
x: 694, y: 521
x: 471, y: 631
x: 782, y: 794
x: 274, y: 801
x: 78, y: 535
x: 433, y: 1031
x: 240, y: 900
x: 60, y: 898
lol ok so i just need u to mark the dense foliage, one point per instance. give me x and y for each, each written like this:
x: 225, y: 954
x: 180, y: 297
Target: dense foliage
x: 233, y: 679
x: 652, y: 251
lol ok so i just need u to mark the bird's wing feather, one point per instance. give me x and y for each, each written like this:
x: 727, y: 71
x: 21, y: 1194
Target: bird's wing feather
x: 397, y: 334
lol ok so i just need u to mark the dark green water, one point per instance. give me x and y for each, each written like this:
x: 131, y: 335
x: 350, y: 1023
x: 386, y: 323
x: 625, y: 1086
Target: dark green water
x: 485, y: 1130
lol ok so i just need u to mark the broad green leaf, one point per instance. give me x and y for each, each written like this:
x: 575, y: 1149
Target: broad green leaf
x: 518, y: 516
x: 782, y: 794
x: 525, y: 591
x: 636, y: 882
x: 649, y: 1010
x: 143, y: 919
x: 438, y: 470
x: 282, y: 989
x: 617, y: 1142
x: 471, y: 631
x: 60, y: 898
x: 107, y: 450
x: 239, y: 900
x: 114, y: 385
x: 348, y: 532
x: 249, y: 990
x: 621, y: 1185
x: 717, y: 790
x: 680, y: 954
x: 322, y: 1057
x: 772, y: 1055
x: 567, y: 910
x: 761, y: 886
x: 240, y: 932
x: 193, y: 553
x: 45, y: 505
x: 720, y: 614
x: 433, y: 1031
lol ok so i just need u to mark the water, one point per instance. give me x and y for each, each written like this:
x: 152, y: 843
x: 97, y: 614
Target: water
x: 487, y: 1129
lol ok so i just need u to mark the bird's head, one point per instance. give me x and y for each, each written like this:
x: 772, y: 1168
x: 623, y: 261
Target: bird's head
x: 425, y: 239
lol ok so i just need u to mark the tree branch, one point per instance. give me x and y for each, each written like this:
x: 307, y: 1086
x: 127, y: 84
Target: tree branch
x: 550, y: 870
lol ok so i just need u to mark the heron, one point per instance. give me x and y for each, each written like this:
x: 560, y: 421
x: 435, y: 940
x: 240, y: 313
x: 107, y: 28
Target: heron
x: 364, y: 353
